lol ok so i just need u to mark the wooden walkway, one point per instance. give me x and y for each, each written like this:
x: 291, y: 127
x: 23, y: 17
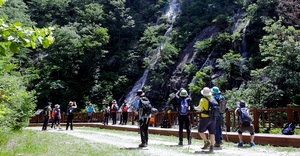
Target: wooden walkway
x: 262, y: 139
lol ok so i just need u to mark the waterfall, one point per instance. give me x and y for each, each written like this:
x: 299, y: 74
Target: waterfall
x: 244, y: 42
x: 207, y: 62
x: 171, y: 15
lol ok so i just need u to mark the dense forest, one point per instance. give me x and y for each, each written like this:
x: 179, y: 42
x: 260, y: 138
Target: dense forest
x: 87, y: 51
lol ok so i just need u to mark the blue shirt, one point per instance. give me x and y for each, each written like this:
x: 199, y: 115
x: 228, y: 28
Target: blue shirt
x: 218, y: 96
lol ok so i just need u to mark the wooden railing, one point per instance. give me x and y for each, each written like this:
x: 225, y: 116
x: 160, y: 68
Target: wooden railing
x: 262, y: 118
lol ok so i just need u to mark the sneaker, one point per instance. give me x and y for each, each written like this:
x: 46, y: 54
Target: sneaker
x: 252, y: 144
x: 240, y: 144
x: 217, y: 145
x: 142, y: 145
x: 211, y: 148
x: 206, y: 145
x: 180, y: 143
x: 189, y: 141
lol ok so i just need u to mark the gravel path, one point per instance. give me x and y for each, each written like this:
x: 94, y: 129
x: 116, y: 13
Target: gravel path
x: 161, y: 147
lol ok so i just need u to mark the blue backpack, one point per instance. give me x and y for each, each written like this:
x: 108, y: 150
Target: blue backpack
x: 184, y: 107
x: 245, y: 118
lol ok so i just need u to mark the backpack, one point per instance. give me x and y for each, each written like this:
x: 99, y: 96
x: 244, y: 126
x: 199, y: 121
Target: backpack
x: 184, y: 107
x: 116, y: 107
x: 213, y: 108
x: 245, y: 118
x: 145, y: 105
x: 222, y: 104
x: 55, y: 113
x: 44, y: 112
x: 289, y: 128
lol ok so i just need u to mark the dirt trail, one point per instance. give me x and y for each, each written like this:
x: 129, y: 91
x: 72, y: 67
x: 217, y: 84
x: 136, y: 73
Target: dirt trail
x: 161, y: 147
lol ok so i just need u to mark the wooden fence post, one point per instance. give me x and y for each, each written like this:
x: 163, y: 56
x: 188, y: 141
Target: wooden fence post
x: 289, y: 113
x: 255, y: 120
x: 228, y: 121
x: 132, y: 118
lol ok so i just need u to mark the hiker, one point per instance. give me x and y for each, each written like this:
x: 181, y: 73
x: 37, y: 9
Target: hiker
x: 70, y: 115
x: 216, y: 93
x: 207, y: 122
x: 183, y: 118
x: 120, y: 114
x: 52, y: 117
x: 143, y: 118
x: 124, y: 109
x: 90, y: 110
x: 245, y: 122
x: 47, y: 115
x: 103, y: 105
x: 56, y: 115
x: 106, y: 112
x: 113, y: 110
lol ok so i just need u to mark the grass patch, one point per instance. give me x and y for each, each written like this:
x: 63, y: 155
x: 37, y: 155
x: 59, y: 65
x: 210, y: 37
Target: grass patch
x: 29, y: 143
x: 40, y: 143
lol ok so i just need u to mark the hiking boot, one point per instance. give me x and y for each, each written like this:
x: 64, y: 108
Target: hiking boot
x: 240, y: 144
x: 217, y: 145
x: 211, y: 148
x: 180, y: 143
x: 252, y: 144
x: 206, y: 145
x: 142, y: 145
x: 189, y: 141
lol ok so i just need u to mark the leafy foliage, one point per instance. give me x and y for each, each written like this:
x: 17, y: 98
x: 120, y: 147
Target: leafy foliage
x: 16, y: 103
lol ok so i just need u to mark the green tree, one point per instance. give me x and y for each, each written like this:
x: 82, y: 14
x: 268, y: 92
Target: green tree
x: 280, y: 49
x: 16, y: 103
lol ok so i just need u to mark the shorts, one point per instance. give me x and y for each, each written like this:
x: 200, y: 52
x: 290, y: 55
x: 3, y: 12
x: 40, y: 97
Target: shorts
x: 207, y: 124
x: 250, y: 129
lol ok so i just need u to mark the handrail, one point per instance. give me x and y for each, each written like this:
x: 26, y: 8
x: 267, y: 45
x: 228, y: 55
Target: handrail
x: 263, y: 119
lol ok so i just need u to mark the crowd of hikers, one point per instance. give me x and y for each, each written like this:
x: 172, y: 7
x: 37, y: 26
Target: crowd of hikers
x: 212, y: 107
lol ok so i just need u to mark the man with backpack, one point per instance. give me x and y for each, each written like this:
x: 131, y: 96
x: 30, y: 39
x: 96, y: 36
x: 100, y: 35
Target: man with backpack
x: 208, y: 118
x: 141, y: 107
x: 216, y: 93
x: 47, y: 115
x: 183, y: 118
x: 245, y: 122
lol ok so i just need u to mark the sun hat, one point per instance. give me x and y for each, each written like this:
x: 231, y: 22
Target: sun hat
x: 183, y: 93
x: 57, y: 105
x: 215, y: 90
x: 242, y: 103
x: 139, y: 92
x: 206, y: 91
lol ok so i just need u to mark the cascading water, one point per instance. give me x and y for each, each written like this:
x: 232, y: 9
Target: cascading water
x: 171, y: 14
x: 244, y: 42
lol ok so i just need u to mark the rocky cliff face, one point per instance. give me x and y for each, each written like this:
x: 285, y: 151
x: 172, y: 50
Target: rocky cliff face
x: 178, y: 78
